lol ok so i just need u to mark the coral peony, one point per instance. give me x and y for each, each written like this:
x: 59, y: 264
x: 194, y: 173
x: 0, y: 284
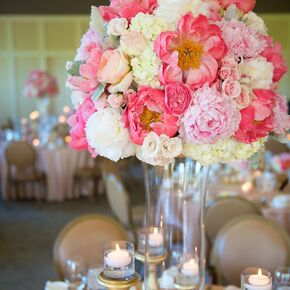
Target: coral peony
x: 273, y: 54
x: 126, y: 8
x: 191, y: 54
x: 257, y: 119
x: 210, y: 118
x: 178, y: 98
x: 244, y: 5
x: 147, y: 112
x: 78, y: 122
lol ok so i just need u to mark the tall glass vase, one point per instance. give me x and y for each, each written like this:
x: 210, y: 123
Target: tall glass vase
x: 174, y: 237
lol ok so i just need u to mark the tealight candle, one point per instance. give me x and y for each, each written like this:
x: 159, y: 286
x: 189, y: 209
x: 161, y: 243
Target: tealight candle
x: 251, y: 280
x: 118, y: 258
x: 35, y: 142
x: 190, y: 268
x: 61, y: 119
x: 155, y: 239
x: 66, y: 109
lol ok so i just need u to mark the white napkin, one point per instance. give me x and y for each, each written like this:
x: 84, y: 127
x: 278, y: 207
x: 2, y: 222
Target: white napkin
x: 58, y: 285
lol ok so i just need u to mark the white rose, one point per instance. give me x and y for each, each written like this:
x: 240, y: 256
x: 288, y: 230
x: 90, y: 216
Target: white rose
x: 123, y: 85
x: 117, y: 26
x: 77, y: 97
x: 133, y: 43
x: 159, y: 150
x: 107, y: 136
x: 255, y: 22
x: 233, y: 12
x: 170, y: 147
x: 257, y: 73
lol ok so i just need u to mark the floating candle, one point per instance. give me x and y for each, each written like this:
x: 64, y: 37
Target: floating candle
x: 118, y: 258
x: 190, y: 268
x: 155, y: 238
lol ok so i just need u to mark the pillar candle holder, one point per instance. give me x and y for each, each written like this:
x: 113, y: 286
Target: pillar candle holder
x: 113, y: 284
x: 152, y: 262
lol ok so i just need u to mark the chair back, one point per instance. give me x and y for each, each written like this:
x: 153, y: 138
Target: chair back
x: 21, y: 155
x: 85, y: 237
x: 225, y: 209
x: 249, y: 241
x: 117, y: 195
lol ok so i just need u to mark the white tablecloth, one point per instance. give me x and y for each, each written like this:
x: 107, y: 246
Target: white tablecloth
x: 59, y: 164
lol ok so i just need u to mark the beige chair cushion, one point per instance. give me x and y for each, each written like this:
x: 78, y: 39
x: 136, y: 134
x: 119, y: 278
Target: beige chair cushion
x: 85, y: 237
x: 249, y: 241
x: 225, y: 209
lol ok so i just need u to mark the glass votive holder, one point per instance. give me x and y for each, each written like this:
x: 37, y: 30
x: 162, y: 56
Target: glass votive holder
x: 282, y: 278
x: 119, y: 260
x: 155, y: 246
x: 254, y: 278
x: 188, y: 271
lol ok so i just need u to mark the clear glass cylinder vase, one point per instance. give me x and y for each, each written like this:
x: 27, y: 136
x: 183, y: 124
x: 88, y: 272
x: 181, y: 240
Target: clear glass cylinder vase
x: 175, y: 206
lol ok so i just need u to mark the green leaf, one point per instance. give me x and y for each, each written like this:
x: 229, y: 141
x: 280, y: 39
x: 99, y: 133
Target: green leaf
x: 74, y: 70
x: 98, y: 92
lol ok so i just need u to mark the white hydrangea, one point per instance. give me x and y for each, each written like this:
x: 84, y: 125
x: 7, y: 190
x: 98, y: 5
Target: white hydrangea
x: 257, y: 73
x: 107, y: 136
x: 149, y: 25
x: 145, y: 68
x: 255, y: 22
x: 223, y: 151
x: 159, y: 150
x: 172, y: 10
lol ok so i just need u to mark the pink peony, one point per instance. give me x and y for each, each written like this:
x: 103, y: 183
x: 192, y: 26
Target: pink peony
x: 126, y: 8
x: 281, y: 117
x: 210, y: 118
x: 178, y: 98
x: 90, y: 41
x: 241, y: 40
x: 113, y: 67
x: 257, y: 119
x: 273, y: 54
x: 244, y: 5
x: 78, y: 122
x: 146, y: 112
x: 190, y: 55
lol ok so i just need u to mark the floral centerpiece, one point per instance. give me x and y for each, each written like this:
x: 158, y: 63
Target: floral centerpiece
x: 158, y: 79
x: 40, y: 84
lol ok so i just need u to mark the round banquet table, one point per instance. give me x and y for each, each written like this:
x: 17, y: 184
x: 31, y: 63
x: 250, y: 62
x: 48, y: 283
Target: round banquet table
x: 59, y: 165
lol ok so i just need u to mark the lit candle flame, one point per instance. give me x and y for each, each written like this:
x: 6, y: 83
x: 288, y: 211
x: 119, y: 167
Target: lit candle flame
x: 191, y: 261
x: 67, y: 139
x: 61, y: 119
x: 35, y: 142
x: 117, y: 247
x: 34, y: 115
x: 155, y: 231
x: 66, y: 109
x: 259, y: 273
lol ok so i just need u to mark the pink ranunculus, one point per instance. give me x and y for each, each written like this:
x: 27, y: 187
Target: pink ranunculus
x: 178, y: 98
x: 258, y: 118
x: 273, y: 54
x: 146, y: 112
x: 78, y: 122
x: 244, y: 5
x: 126, y: 8
x: 210, y: 118
x: 113, y: 67
x: 231, y: 89
x: 241, y: 40
x: 281, y: 117
x: 192, y: 53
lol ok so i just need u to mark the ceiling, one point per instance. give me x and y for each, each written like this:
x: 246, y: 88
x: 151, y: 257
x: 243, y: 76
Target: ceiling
x: 83, y: 6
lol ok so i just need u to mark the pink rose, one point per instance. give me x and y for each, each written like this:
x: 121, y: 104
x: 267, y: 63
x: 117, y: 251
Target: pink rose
x: 146, y: 112
x: 133, y: 42
x: 281, y: 117
x: 244, y: 5
x: 78, y: 123
x: 244, y: 99
x: 210, y: 118
x: 126, y: 8
x: 113, y: 66
x: 273, y: 54
x: 257, y: 119
x: 178, y: 98
x: 229, y: 69
x: 115, y: 101
x: 190, y: 55
x: 224, y: 73
x: 231, y: 89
